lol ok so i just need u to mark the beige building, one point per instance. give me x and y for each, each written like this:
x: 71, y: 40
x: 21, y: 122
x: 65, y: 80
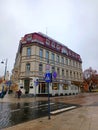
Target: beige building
x: 39, y: 54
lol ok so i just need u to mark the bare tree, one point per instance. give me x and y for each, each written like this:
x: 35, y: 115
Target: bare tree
x: 89, y: 76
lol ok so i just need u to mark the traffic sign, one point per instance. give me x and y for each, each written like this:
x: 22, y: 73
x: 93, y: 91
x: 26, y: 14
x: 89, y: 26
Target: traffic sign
x: 54, y: 75
x: 36, y: 82
x: 47, y: 67
x: 48, y: 77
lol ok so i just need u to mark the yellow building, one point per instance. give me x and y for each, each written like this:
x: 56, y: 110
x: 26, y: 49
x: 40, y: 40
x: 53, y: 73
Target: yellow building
x: 39, y: 54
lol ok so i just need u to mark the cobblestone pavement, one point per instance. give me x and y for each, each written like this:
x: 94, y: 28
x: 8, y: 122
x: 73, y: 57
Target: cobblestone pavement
x: 82, y: 118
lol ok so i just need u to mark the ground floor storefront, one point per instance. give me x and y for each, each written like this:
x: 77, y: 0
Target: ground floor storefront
x: 37, y: 86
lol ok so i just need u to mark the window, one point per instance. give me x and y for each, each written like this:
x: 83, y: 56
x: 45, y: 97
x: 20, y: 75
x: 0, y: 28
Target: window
x: 69, y: 62
x: 41, y: 53
x: 62, y: 72
x: 29, y: 51
x: 28, y: 67
x: 80, y: 75
x: 58, y: 71
x: 47, y: 42
x: 70, y: 74
x: 66, y: 61
x: 79, y: 65
x: 74, y: 63
x: 52, y: 57
x: 55, y: 86
x: 74, y: 75
x: 58, y: 58
x: 77, y: 75
x: 67, y: 73
x: 65, y: 86
x: 53, y: 44
x: 53, y: 69
x: 62, y: 60
x: 40, y: 67
x: 47, y: 55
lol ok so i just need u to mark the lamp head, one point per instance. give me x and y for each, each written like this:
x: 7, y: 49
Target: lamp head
x: 2, y: 62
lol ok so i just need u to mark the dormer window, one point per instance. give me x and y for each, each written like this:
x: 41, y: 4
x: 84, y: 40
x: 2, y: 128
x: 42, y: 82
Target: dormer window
x: 58, y: 47
x: 29, y: 37
x: 53, y: 44
x: 48, y: 42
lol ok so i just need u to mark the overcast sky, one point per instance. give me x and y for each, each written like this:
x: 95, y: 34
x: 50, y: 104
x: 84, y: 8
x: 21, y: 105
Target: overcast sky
x: 71, y: 22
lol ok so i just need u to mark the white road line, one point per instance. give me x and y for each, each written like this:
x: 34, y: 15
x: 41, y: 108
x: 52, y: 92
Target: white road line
x: 41, y: 105
x: 63, y: 109
x: 15, y: 110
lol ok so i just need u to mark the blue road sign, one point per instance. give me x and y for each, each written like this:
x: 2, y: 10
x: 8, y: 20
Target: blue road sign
x: 54, y: 75
x: 36, y: 82
x: 48, y: 77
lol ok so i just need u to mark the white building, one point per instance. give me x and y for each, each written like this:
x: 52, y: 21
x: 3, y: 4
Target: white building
x: 35, y: 51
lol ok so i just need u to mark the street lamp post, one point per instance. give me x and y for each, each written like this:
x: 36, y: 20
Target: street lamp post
x: 5, y: 67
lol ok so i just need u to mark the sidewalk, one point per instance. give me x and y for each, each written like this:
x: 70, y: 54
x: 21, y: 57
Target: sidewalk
x: 83, y: 118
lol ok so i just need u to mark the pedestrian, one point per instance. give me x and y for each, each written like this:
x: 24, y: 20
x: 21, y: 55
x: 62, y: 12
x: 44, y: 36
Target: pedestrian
x: 3, y: 92
x: 19, y: 93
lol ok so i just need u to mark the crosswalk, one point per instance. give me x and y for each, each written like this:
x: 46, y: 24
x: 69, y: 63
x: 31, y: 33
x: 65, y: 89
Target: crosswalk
x: 13, y: 114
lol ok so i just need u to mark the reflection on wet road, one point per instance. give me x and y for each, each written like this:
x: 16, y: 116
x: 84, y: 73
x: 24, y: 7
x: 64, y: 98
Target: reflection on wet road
x: 15, y: 113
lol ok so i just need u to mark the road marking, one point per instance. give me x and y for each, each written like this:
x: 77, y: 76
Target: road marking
x: 62, y: 110
x: 15, y: 110
x: 41, y: 105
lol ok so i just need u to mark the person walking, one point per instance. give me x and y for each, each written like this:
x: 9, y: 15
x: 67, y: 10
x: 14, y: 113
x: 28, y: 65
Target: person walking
x: 19, y: 93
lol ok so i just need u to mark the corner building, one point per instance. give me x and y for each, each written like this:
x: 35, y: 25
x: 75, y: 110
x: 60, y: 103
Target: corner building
x: 37, y: 54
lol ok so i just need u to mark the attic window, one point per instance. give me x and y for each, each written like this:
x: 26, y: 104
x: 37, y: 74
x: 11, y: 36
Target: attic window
x: 47, y: 42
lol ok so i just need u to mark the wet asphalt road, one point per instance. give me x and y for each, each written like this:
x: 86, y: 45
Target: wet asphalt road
x: 15, y: 113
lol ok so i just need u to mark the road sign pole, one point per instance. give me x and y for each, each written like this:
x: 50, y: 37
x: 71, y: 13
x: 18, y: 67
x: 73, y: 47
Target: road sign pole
x: 48, y: 80
x: 48, y: 101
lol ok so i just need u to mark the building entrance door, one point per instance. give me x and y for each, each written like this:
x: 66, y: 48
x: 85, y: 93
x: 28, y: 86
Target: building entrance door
x: 26, y: 85
x: 42, y: 88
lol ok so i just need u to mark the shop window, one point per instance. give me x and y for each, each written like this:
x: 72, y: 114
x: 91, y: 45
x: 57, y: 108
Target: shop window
x: 65, y: 87
x: 55, y: 86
